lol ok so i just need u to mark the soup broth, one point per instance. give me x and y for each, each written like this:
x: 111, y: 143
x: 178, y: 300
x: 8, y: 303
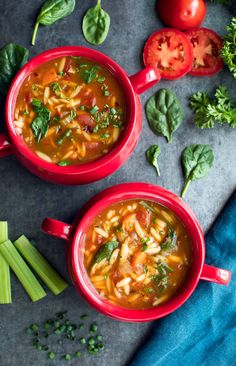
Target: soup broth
x: 70, y: 111
x: 137, y: 254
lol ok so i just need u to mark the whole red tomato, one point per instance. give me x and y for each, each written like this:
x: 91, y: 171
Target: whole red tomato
x: 181, y: 14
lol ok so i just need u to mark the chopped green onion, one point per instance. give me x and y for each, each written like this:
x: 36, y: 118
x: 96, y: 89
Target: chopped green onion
x: 63, y: 163
x: 5, y: 280
x: 22, y: 271
x: 93, y: 328
x: 51, y: 355
x: 78, y: 354
x: 40, y: 265
x: 85, y: 316
x: 94, y: 110
x: 82, y: 340
x: 67, y: 357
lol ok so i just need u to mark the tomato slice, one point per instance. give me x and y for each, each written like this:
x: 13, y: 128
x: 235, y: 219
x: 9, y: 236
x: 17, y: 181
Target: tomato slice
x: 170, y: 51
x: 206, y: 51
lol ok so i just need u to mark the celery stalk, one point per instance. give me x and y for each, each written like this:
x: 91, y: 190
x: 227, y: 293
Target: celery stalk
x: 40, y: 265
x: 5, y: 280
x: 22, y: 271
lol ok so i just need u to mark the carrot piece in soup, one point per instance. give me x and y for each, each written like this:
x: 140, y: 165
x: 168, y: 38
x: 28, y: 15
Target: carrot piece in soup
x: 138, y: 258
x: 49, y: 76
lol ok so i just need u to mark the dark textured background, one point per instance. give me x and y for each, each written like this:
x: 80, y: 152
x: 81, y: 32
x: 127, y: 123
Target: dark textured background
x: 25, y: 200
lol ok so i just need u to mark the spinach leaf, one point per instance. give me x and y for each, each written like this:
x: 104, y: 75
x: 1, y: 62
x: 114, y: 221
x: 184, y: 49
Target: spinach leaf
x: 106, y: 251
x: 12, y: 58
x: 164, y: 113
x: 170, y: 241
x: 96, y: 24
x: 152, y: 155
x: 40, y: 124
x: 51, y: 12
x: 197, y: 161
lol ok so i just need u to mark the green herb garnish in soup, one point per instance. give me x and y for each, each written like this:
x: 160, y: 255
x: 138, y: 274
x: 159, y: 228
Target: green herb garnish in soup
x: 137, y: 254
x: 70, y: 109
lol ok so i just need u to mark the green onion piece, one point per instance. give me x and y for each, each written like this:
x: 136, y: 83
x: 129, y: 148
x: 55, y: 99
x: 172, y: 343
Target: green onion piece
x: 40, y: 265
x: 22, y: 271
x: 5, y: 280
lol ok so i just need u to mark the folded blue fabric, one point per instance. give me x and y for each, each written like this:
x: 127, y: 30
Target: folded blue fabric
x: 203, y: 331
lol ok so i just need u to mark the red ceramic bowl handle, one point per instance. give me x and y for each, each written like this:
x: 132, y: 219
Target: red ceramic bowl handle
x: 5, y: 146
x: 217, y: 275
x: 57, y: 228
x: 145, y: 79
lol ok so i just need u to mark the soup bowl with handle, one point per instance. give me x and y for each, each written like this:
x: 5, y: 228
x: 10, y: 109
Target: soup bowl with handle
x: 132, y: 86
x: 75, y: 234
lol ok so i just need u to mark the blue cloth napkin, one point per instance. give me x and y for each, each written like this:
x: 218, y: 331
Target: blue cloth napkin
x: 203, y: 331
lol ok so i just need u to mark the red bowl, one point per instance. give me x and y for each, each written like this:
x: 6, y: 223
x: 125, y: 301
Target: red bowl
x: 132, y: 86
x: 75, y: 234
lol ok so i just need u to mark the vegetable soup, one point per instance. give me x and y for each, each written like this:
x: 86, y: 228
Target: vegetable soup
x: 70, y: 111
x: 137, y: 254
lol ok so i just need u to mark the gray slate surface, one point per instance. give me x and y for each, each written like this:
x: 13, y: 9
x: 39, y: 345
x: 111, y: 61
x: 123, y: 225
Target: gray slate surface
x: 26, y: 200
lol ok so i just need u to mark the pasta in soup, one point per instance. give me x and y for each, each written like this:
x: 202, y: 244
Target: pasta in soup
x: 137, y: 254
x: 70, y: 111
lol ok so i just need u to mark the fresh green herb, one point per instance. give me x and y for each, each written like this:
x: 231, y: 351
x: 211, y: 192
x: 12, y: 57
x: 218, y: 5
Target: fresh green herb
x: 82, y: 340
x: 94, y: 110
x: 93, y: 328
x: 56, y: 88
x: 61, y: 73
x: 5, y: 280
x: 106, y: 93
x: 164, y: 269
x: 22, y: 271
x: 64, y: 136
x: 63, y: 163
x: 40, y: 265
x: 164, y: 113
x: 12, y: 58
x: 149, y: 290
x: 81, y: 326
x: 104, y: 135
x: 152, y: 155
x: 145, y: 242
x: 145, y: 269
x: 84, y: 316
x: 197, y: 160
x: 67, y: 357
x: 51, y: 12
x: 105, y: 90
x: 26, y: 113
x: 229, y: 48
x: 170, y: 241
x: 51, y: 355
x: 90, y: 74
x: 34, y: 87
x: 221, y: 109
x: 78, y: 354
x: 82, y: 108
x: 40, y: 124
x: 147, y: 206
x: 96, y: 24
x: 101, y: 79
x: 105, y: 251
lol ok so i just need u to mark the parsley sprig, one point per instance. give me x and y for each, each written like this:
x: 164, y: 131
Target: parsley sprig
x: 228, y: 52
x: 208, y: 111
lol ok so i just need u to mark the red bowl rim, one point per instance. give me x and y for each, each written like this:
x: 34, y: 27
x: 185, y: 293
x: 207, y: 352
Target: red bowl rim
x: 129, y: 191
x: 98, y: 57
